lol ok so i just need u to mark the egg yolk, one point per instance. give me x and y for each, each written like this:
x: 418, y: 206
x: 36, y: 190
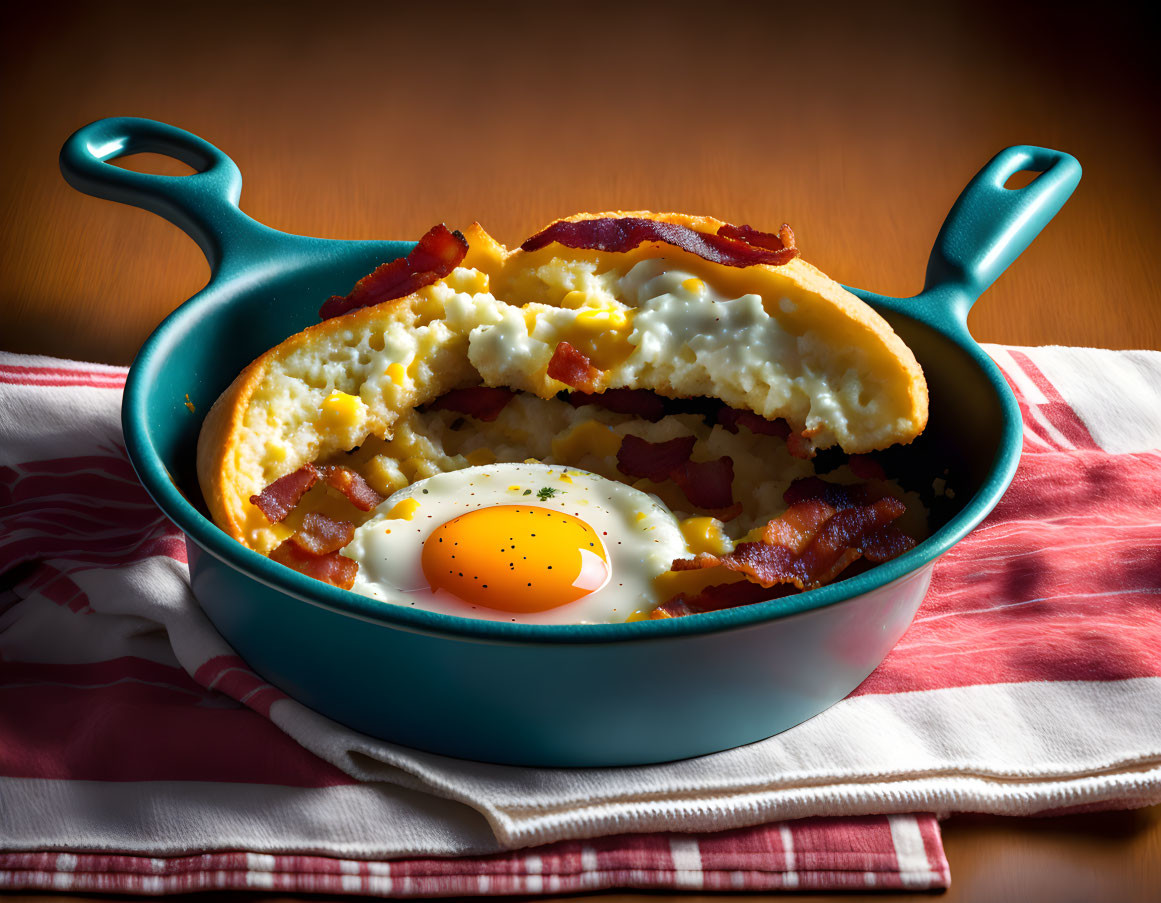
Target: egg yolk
x: 517, y: 558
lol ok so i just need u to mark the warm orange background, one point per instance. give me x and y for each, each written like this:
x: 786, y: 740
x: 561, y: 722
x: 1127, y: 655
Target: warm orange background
x: 356, y: 120
x: 858, y: 123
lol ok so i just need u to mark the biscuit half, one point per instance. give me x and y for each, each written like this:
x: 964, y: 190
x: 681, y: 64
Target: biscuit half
x: 783, y: 341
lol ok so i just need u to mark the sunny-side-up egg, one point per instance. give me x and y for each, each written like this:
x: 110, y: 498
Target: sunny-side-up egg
x: 530, y: 543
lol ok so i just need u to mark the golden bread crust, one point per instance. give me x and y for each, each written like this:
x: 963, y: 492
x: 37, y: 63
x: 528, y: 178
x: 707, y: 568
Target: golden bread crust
x: 808, y: 277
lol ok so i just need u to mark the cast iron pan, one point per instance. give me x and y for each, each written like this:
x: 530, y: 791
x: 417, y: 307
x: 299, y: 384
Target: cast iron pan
x: 615, y: 694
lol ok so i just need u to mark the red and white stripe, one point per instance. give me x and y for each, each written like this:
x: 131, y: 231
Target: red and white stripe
x: 900, y: 852
x: 120, y: 707
x: 63, y: 373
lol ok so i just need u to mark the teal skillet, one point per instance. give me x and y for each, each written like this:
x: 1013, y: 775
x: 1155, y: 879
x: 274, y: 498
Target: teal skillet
x: 573, y: 695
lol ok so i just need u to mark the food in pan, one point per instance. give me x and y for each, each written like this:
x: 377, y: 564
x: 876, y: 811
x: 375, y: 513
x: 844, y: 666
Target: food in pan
x: 650, y: 389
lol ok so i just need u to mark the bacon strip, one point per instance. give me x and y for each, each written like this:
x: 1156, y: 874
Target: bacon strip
x: 798, y: 446
x: 826, y: 528
x: 798, y: 525
x: 283, y: 495
x: 888, y: 543
x: 320, y: 535
x: 653, y: 460
x: 639, y: 402
x: 866, y: 468
x: 619, y: 234
x: 708, y: 484
x: 481, y: 402
x: 573, y: 368
x: 731, y: 418
x: 880, y: 546
x: 833, y: 548
x: 838, y: 495
x: 436, y: 254
x: 751, y: 236
x: 718, y: 597
x: 331, y: 568
x: 351, y: 484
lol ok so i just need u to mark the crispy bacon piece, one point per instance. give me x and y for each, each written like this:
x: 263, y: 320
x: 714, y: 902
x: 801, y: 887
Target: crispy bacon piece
x: 283, y: 495
x: 880, y: 546
x: 826, y: 528
x: 838, y: 495
x: 731, y: 418
x: 639, y: 402
x: 617, y: 234
x: 798, y: 525
x: 798, y: 445
x: 718, y: 597
x: 573, y: 368
x: 435, y: 255
x: 351, y: 484
x: 866, y: 468
x: 321, y: 535
x: 888, y: 543
x: 481, y: 402
x: 783, y: 240
x: 654, y: 461
x: 707, y: 484
x: 331, y: 568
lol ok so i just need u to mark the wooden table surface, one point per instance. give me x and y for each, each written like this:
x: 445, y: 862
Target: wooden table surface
x: 858, y: 126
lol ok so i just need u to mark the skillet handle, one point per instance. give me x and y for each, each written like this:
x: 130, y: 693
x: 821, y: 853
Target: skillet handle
x: 204, y: 205
x: 990, y: 225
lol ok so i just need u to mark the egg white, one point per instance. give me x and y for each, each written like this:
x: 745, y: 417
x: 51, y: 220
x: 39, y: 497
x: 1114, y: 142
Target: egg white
x: 641, y: 537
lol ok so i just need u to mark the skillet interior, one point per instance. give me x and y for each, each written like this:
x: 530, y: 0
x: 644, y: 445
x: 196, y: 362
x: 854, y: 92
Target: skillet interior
x: 215, y: 335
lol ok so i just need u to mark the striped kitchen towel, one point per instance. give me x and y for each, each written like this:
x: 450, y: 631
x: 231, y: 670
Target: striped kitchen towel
x: 138, y: 753
x: 820, y: 854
